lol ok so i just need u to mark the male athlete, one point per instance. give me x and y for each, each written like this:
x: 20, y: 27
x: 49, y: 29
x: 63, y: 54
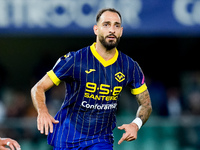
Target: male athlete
x: 94, y: 77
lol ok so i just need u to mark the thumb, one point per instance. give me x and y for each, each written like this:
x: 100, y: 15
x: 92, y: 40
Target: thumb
x: 54, y: 121
x: 121, y: 127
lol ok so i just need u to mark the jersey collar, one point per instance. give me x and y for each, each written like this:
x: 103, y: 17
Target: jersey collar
x: 100, y: 59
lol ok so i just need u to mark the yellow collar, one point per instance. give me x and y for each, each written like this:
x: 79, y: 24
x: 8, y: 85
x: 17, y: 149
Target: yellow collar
x: 100, y: 59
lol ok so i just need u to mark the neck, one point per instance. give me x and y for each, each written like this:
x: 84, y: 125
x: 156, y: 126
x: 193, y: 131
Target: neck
x: 103, y: 52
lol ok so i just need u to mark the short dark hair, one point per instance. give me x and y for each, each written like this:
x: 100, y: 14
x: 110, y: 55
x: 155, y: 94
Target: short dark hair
x: 107, y: 9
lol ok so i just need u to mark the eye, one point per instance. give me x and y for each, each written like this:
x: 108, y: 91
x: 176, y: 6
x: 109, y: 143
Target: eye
x: 118, y: 25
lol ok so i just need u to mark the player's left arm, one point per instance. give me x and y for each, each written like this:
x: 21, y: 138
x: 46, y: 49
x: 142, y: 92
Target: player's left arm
x: 145, y: 107
x: 143, y: 113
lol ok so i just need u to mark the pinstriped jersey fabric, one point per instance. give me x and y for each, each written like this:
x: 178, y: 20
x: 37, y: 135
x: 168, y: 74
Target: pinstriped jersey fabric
x: 93, y: 86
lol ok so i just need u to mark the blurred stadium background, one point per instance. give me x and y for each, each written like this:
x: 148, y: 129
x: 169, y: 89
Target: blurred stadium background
x: 163, y: 37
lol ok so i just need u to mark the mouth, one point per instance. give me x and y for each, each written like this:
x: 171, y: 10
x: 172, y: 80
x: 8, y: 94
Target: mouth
x: 111, y: 37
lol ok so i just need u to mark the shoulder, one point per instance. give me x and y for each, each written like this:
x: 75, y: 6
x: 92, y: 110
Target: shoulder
x: 82, y: 50
x: 125, y: 57
x: 77, y: 54
x: 73, y: 54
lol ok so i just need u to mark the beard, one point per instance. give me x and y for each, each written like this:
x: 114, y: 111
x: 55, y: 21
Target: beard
x: 111, y: 43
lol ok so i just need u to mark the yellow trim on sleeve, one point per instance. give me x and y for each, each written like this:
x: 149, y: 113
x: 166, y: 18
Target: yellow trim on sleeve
x: 53, y: 77
x: 139, y: 90
x: 100, y: 59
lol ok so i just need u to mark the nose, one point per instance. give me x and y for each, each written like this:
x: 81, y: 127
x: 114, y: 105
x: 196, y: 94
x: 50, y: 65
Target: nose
x: 112, y: 29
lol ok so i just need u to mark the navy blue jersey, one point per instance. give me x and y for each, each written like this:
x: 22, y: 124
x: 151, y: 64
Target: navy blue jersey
x: 93, y: 86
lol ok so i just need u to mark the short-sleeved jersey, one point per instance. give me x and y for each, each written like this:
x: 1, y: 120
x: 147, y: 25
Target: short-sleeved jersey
x: 93, y: 86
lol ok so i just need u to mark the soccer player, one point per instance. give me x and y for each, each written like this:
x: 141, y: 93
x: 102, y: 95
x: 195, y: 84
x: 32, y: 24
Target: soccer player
x: 94, y: 76
x: 9, y: 142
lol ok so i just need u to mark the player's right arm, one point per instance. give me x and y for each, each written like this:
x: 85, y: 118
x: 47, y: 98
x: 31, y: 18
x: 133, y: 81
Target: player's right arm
x: 44, y: 120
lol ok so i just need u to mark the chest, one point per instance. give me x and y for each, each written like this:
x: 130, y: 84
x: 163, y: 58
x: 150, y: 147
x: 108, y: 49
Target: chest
x: 97, y: 79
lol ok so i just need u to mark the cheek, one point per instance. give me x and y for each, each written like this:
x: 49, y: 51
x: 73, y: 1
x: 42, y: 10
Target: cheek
x: 103, y: 31
x: 101, y: 34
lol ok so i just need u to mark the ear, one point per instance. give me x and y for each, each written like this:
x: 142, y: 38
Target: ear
x: 121, y: 31
x: 95, y: 28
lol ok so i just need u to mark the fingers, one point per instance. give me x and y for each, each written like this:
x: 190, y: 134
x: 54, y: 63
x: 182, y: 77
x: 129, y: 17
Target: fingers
x: 123, y: 138
x: 10, y: 143
x: 11, y: 147
x: 129, y: 135
x: 126, y: 137
x: 3, y: 148
x: 38, y: 124
x: 51, y: 126
x: 45, y: 124
x: 46, y: 127
x: 16, y: 145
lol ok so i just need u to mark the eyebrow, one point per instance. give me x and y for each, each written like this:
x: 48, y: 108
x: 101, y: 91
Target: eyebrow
x: 110, y: 22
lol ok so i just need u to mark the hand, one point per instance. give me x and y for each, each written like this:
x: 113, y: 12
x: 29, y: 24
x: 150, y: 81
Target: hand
x: 130, y: 132
x: 45, y: 122
x: 9, y: 142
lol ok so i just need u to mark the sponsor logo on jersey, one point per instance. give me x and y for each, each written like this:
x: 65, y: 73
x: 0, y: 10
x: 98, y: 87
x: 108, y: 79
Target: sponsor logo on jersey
x: 102, y: 92
x: 98, y: 107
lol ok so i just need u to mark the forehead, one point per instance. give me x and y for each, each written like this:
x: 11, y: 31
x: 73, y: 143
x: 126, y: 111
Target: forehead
x: 110, y: 16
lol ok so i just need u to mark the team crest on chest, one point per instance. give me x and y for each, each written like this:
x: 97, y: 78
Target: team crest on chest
x: 119, y: 76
